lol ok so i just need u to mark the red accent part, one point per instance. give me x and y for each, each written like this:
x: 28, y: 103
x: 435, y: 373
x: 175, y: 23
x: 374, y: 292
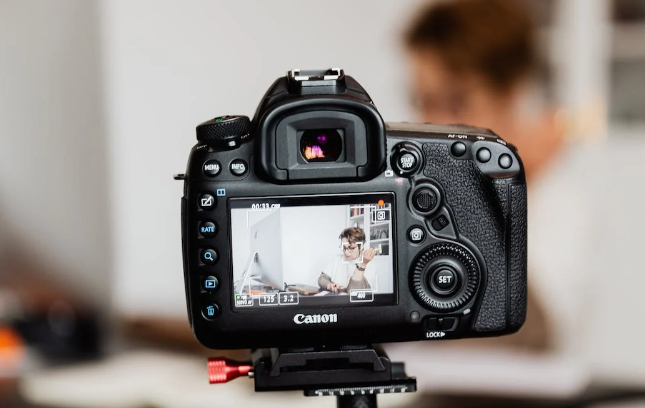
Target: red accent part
x: 221, y: 370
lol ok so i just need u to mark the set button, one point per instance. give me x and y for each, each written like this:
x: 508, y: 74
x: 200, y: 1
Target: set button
x: 444, y: 280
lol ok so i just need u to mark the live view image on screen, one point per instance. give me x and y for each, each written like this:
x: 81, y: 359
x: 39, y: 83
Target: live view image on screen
x: 308, y: 251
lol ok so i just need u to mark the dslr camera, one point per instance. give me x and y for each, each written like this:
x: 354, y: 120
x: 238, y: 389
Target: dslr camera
x: 316, y: 223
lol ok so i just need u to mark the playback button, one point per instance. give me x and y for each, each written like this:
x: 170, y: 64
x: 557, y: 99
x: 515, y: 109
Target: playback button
x: 210, y: 283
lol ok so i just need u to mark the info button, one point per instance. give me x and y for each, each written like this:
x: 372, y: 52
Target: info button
x: 239, y: 167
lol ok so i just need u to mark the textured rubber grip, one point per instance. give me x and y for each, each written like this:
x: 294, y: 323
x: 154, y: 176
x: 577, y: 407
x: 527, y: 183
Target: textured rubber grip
x: 517, y: 276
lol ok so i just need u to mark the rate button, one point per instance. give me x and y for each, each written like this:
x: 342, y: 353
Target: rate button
x: 208, y: 229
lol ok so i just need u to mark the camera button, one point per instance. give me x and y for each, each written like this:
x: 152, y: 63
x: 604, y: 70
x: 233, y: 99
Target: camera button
x: 447, y: 323
x: 458, y: 149
x: 211, y: 168
x: 206, y: 202
x: 444, y: 280
x: 440, y: 222
x: 405, y: 159
x: 210, y: 311
x: 425, y: 200
x: 483, y: 155
x: 432, y: 323
x: 208, y: 229
x: 505, y: 161
x: 210, y: 283
x: 416, y: 234
x: 239, y: 167
x: 208, y: 256
x: 407, y: 162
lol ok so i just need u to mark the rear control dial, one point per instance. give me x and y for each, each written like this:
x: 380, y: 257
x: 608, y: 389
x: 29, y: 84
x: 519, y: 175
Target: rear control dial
x: 444, y: 277
x: 406, y: 159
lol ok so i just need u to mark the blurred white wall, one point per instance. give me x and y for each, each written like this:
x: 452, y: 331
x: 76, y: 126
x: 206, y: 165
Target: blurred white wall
x: 171, y: 65
x: 53, y: 175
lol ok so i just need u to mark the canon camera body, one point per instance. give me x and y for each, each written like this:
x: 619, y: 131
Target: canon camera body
x: 316, y: 223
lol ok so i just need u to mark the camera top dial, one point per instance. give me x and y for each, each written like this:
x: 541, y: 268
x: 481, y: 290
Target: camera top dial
x: 225, y: 131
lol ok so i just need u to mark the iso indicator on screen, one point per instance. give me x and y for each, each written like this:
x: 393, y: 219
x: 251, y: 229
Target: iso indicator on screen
x: 361, y: 296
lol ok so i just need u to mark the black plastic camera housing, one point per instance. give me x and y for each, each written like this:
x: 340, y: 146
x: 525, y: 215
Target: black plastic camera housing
x: 442, y: 207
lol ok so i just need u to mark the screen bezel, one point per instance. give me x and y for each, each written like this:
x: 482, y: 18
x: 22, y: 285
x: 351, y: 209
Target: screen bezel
x: 384, y: 299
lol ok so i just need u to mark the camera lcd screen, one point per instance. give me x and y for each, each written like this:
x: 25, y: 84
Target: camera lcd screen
x: 313, y: 251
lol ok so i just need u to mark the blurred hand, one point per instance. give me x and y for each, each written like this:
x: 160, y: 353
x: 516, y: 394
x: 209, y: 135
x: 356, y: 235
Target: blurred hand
x: 333, y: 287
x: 368, y: 255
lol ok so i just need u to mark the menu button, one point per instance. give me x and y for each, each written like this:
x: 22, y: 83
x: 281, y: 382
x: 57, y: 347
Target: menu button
x: 212, y: 168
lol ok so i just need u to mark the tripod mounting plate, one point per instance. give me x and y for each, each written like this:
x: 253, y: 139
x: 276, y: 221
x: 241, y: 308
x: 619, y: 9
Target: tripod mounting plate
x: 345, y: 371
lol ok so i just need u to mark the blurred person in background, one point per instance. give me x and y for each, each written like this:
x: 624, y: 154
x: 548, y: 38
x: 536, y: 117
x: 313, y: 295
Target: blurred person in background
x: 475, y: 62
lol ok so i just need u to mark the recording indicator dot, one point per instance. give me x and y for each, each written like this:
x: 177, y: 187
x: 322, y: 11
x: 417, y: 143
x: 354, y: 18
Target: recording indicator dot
x: 381, y: 203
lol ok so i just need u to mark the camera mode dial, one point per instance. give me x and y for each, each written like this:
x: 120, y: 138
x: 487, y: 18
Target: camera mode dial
x: 225, y: 131
x: 444, y: 277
